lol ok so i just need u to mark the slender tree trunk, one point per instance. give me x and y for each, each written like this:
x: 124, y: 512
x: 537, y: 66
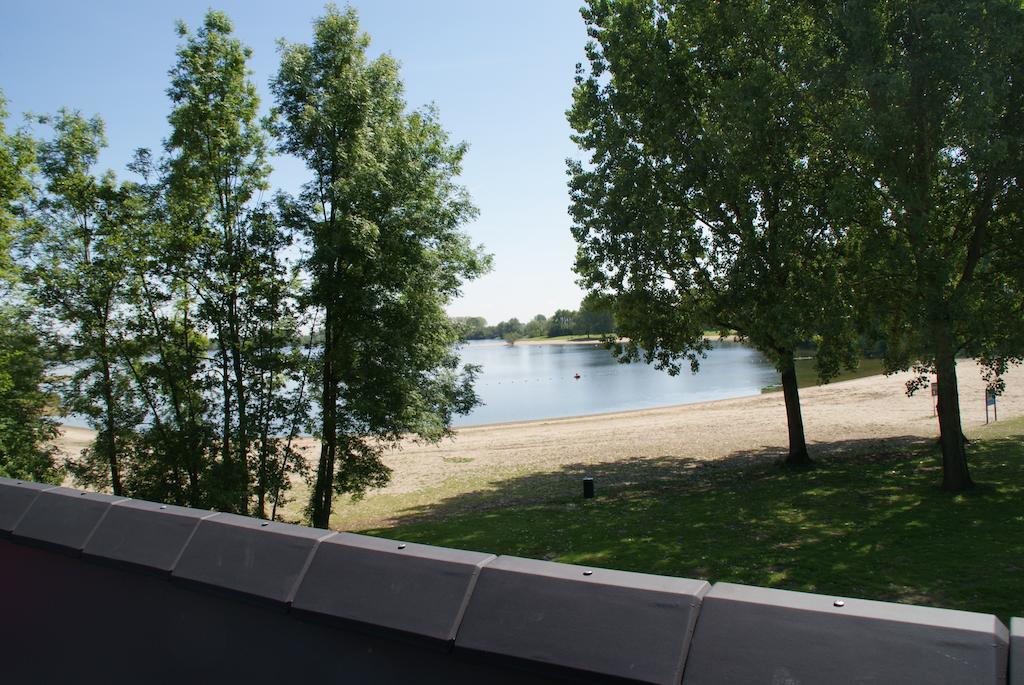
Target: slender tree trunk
x: 264, y: 448
x: 955, y: 475
x: 111, y: 424
x: 242, y: 440
x: 798, y: 455
x: 320, y: 507
x: 193, y: 449
x: 279, y: 484
x: 231, y: 469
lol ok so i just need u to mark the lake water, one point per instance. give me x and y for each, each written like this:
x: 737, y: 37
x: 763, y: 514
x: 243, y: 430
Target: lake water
x: 525, y: 382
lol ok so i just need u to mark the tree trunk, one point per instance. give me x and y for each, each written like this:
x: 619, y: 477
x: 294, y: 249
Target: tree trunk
x: 225, y: 428
x: 798, y: 455
x: 241, y: 403
x: 264, y: 440
x: 323, y: 490
x: 193, y: 452
x: 955, y: 476
x: 111, y: 426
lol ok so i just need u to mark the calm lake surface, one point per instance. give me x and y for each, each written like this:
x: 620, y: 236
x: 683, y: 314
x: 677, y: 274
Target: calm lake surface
x: 524, y: 382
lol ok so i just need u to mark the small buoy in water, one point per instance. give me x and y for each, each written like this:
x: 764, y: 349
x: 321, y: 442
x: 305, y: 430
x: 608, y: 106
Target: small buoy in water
x: 577, y: 376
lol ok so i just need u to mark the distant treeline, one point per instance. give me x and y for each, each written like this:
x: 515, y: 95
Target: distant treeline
x: 594, y: 317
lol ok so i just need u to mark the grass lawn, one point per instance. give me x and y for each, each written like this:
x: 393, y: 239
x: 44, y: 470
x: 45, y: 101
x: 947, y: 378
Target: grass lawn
x: 868, y: 525
x: 807, y: 373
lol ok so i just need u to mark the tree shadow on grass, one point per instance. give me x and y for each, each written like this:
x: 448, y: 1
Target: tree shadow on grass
x: 612, y: 477
x: 868, y: 521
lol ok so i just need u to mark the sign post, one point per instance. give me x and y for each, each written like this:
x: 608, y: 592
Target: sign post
x: 935, y: 395
x: 990, y: 401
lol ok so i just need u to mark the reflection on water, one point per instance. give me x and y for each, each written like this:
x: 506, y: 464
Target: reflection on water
x: 537, y: 381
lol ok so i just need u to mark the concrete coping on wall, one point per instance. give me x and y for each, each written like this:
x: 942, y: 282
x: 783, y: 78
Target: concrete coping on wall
x: 16, y: 496
x: 63, y: 519
x: 1016, y: 651
x: 607, y: 623
x: 754, y: 634
x: 416, y: 591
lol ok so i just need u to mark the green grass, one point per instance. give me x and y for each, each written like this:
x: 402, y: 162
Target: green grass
x: 807, y: 374
x: 863, y: 523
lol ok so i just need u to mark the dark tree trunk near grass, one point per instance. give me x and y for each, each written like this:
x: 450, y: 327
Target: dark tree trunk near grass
x: 323, y: 490
x: 955, y: 475
x: 111, y: 426
x: 798, y: 455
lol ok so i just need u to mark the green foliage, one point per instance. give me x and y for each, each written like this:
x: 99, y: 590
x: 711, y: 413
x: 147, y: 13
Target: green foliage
x: 563, y: 322
x: 931, y: 149
x: 24, y: 404
x: 77, y: 277
x: 595, y: 317
x: 24, y: 426
x: 381, y: 215
x: 471, y: 327
x: 17, y: 155
x: 697, y: 202
x: 227, y: 249
x: 537, y: 327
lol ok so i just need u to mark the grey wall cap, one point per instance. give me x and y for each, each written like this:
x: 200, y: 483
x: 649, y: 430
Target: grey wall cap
x: 618, y: 624
x: 262, y: 559
x: 145, y: 534
x: 16, y: 496
x: 1016, y: 651
x: 760, y: 635
x: 415, y: 589
x: 64, y: 517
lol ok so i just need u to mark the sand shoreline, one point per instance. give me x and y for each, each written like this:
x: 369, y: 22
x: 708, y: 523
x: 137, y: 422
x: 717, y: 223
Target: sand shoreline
x: 864, y: 410
x: 870, y: 414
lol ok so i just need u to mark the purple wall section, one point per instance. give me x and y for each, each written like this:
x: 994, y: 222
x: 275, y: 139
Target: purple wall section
x: 97, y: 589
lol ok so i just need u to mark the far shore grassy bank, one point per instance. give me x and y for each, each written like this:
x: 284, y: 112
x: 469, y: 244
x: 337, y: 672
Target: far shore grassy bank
x: 869, y: 524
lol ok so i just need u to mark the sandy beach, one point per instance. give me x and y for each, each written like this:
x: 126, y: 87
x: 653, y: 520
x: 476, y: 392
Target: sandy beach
x: 865, y: 413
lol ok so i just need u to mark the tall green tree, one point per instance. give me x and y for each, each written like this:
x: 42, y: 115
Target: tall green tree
x: 164, y: 353
x: 231, y: 244
x: 562, y: 322
x: 537, y: 327
x: 381, y: 215
x: 24, y: 426
x: 17, y: 156
x: 78, y: 277
x: 697, y: 201
x: 933, y: 100
x: 595, y: 315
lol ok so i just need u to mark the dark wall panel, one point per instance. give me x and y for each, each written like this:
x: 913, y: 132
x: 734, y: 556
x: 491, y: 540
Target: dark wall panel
x: 69, y: 620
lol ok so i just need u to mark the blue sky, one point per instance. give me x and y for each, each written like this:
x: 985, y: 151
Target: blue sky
x: 500, y: 73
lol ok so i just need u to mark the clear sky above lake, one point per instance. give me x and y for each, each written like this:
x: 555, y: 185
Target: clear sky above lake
x: 501, y: 74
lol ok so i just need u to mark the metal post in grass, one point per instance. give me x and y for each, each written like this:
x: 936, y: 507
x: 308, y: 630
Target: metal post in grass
x: 588, y: 487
